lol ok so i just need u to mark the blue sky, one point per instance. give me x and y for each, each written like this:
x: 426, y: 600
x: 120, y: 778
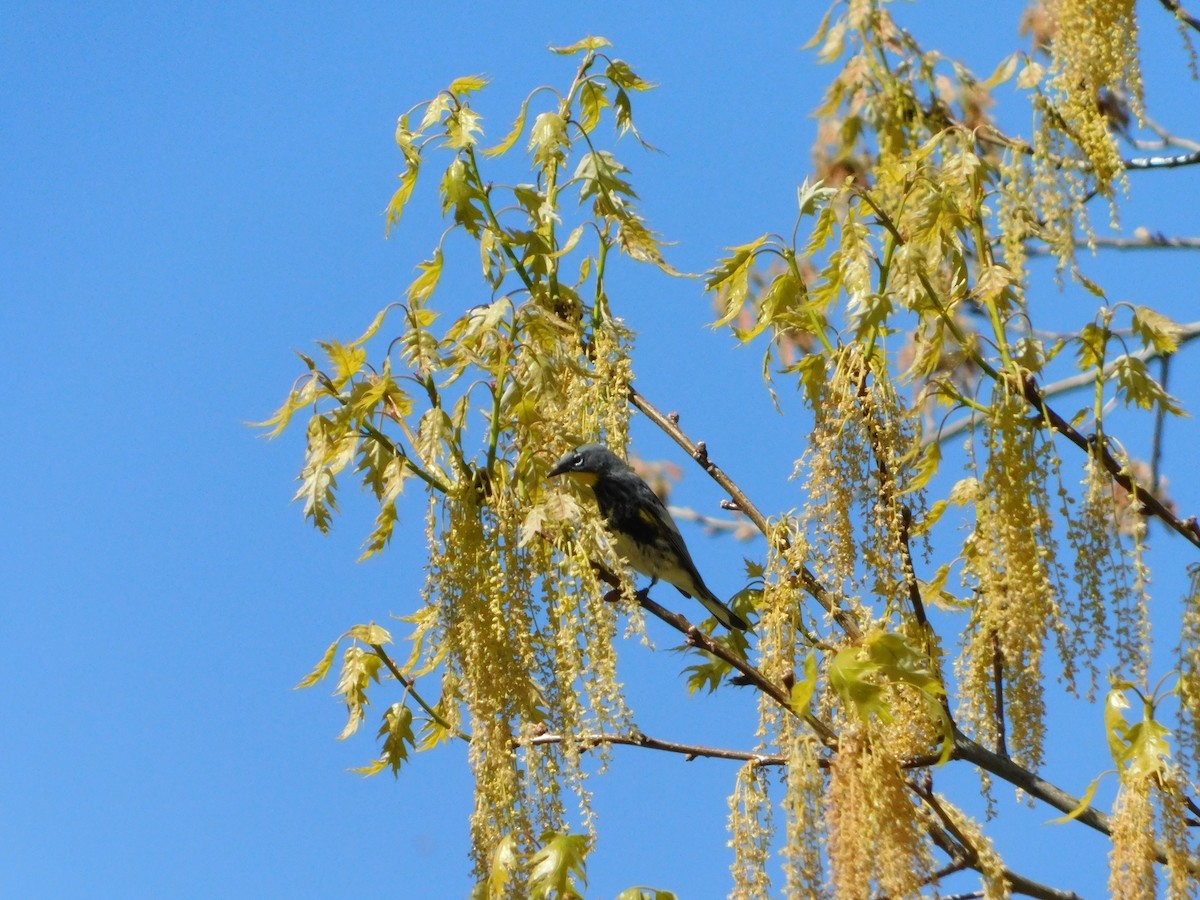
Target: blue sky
x: 192, y: 192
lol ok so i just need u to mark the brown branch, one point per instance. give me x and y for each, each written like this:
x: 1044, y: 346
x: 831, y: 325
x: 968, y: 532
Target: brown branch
x: 691, y: 751
x: 1161, y: 162
x: 1020, y: 777
x: 1160, y: 422
x: 410, y: 685
x: 964, y: 855
x: 1175, y: 8
x: 1030, y: 888
x: 998, y: 687
x: 1150, y: 504
x: 1152, y: 241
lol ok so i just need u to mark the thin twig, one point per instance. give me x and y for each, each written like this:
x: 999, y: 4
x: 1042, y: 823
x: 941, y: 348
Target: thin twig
x: 1176, y: 9
x: 691, y: 751
x: 998, y: 687
x: 1161, y: 162
x: 1150, y: 503
x: 1160, y: 420
x: 410, y: 685
x: 1153, y: 241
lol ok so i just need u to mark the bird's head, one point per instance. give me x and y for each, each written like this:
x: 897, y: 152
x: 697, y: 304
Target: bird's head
x: 587, y: 464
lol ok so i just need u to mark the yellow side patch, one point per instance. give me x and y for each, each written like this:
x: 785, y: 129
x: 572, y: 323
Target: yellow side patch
x: 588, y: 478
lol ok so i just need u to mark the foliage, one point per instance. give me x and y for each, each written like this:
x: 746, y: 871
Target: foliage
x: 902, y: 296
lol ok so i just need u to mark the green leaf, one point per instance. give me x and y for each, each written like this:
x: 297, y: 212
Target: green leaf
x: 1149, y: 748
x: 554, y: 869
x: 732, y: 277
x: 810, y: 197
x: 468, y: 84
x: 318, y: 481
x: 395, y: 207
x: 301, y: 396
x: 438, y: 107
x: 1085, y: 803
x: 322, y: 668
x: 622, y: 76
x: 1115, y: 723
x: 591, y: 42
x: 359, y: 668
x: 1091, y: 346
x: 822, y: 29
x: 804, y: 689
x: 426, y: 283
x: 385, y: 525
x: 375, y: 325
x: 1004, y: 71
x: 592, y: 101
x: 397, y: 735
x: 462, y: 197
x: 462, y: 127
x: 346, y: 360
x: 1156, y: 330
x: 645, y: 893
x: 813, y: 373
x: 370, y: 634
x: 1137, y: 387
x: 927, y: 466
x: 407, y: 141
x: 639, y: 242
x: 854, y: 676
x: 513, y: 136
x: 433, y: 733
x: 708, y: 675
x: 506, y: 858
x: 548, y: 138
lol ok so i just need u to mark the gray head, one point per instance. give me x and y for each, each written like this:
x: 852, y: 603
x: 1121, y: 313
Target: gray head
x: 588, y: 464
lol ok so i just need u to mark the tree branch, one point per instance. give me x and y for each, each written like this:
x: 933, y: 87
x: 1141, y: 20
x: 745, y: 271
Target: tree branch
x: 410, y: 685
x: 691, y: 751
x: 1149, y: 241
x: 1150, y: 504
x: 1161, y: 162
x: 1176, y: 9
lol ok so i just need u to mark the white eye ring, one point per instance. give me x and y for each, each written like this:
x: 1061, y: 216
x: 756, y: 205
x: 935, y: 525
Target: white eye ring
x: 577, y: 462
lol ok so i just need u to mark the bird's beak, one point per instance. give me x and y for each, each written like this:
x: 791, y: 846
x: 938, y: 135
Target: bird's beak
x: 560, y: 467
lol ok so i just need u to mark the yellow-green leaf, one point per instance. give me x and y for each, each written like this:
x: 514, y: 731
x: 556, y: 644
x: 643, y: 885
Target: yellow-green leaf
x: 553, y: 870
x: 370, y: 634
x: 804, y: 688
x: 322, y: 668
x: 395, y: 207
x: 1004, y: 71
x: 1085, y: 803
x: 591, y: 42
x: 467, y: 84
x: 426, y: 283
x: 548, y: 138
x: 513, y: 136
x: 1157, y: 330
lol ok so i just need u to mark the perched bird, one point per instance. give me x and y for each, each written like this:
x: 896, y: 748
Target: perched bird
x: 641, y: 526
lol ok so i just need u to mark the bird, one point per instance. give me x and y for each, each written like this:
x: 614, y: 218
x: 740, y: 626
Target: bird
x: 641, y: 526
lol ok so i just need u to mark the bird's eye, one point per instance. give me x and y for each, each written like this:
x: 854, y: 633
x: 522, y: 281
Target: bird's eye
x: 577, y: 462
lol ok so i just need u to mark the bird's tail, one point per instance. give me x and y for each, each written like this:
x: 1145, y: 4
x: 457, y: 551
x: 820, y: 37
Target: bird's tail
x: 723, y: 613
